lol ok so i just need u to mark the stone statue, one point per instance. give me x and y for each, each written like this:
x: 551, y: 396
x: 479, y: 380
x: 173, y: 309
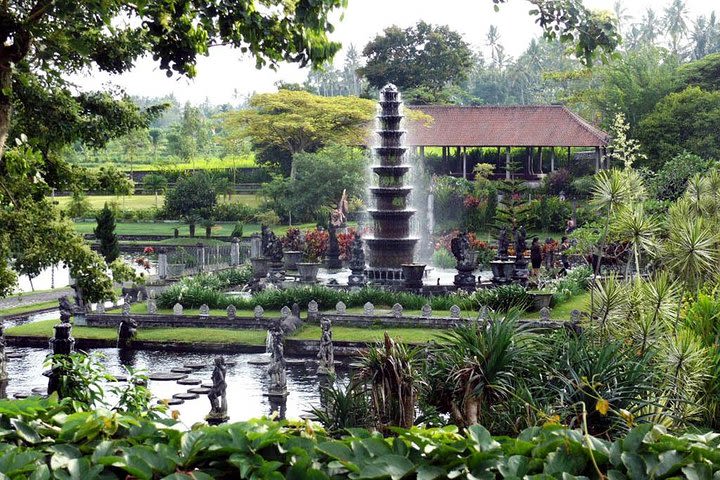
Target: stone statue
x: 332, y: 255
x: 520, y: 242
x: 79, y: 300
x: 126, y: 332
x: 3, y: 360
x: 357, y: 263
x: 264, y: 239
x: 276, y: 369
x: 503, y: 243
x: 460, y: 247
x: 338, y: 216
x: 326, y: 356
x: 66, y: 310
x: 273, y: 248
x: 218, y: 393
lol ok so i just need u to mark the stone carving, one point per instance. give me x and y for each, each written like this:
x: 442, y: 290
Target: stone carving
x: 61, y: 344
x: 426, y: 311
x: 340, y: 308
x: 151, y: 306
x: 126, y: 332
x: 503, y: 244
x: 295, y: 309
x: 454, y: 311
x: 357, y: 276
x: 326, y: 355
x: 272, y: 249
x: 177, y: 309
x: 231, y: 312
x: 338, y: 215
x: 397, y: 310
x: 126, y: 305
x: 520, y: 243
x: 66, y: 310
x: 276, y: 370
x: 332, y: 255
x: 465, y: 257
x: 545, y: 314
x: 284, y: 312
x: 484, y: 314
x: 151, y: 294
x: 100, y: 307
x: 140, y: 296
x: 204, y: 310
x: 575, y: 316
x: 218, y: 394
x: 369, y: 309
x: 258, y: 311
x: 460, y: 247
x: 313, y: 310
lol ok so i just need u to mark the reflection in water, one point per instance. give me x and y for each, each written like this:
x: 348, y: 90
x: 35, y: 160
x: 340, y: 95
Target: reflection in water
x: 246, y: 384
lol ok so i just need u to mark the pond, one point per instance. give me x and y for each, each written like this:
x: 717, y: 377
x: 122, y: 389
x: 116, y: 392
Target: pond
x: 246, y: 381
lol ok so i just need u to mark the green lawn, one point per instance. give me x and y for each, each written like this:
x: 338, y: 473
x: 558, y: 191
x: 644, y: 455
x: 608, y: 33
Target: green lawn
x: 138, y: 202
x: 210, y: 163
x: 562, y: 312
x: 222, y: 229
x: 28, y: 308
x: 352, y: 334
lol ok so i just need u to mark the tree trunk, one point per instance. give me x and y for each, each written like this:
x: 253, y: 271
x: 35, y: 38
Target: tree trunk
x: 192, y: 230
x: 5, y: 103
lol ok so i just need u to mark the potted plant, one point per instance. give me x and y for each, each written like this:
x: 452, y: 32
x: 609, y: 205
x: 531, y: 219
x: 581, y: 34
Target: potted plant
x: 292, y: 248
x: 314, y: 248
x: 543, y: 294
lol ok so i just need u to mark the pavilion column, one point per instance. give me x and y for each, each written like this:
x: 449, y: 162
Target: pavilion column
x: 597, y: 159
x: 528, y: 162
x: 606, y: 159
x: 540, y: 164
x: 507, y: 163
x: 552, y: 160
x: 568, y: 159
x: 464, y: 162
x: 497, y: 162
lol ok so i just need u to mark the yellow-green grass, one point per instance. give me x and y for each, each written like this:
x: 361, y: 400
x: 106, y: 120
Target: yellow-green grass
x: 207, y: 163
x: 139, y: 202
x: 222, y: 229
x: 28, y: 308
x: 371, y: 335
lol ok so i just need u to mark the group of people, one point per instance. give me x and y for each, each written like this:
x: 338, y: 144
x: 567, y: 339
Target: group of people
x: 537, y: 256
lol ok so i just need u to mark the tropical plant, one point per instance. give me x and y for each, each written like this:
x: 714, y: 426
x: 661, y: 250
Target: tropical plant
x: 343, y: 407
x: 390, y: 372
x: 632, y: 224
x: 105, y: 234
x: 476, y: 367
x: 155, y: 184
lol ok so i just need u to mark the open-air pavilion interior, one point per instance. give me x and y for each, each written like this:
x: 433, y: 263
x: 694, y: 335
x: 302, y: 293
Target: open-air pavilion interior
x: 535, y: 128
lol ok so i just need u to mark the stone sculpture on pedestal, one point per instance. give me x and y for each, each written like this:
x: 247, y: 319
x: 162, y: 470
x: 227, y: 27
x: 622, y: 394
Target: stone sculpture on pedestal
x: 218, y: 394
x: 326, y: 355
x: 460, y: 247
x: 276, y: 370
x: 357, y: 263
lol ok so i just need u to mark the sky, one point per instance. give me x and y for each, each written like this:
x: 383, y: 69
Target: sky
x: 225, y: 76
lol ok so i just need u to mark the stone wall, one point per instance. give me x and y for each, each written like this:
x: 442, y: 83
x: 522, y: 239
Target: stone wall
x: 171, y: 321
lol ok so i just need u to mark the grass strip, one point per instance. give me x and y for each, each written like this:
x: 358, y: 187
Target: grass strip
x: 28, y: 308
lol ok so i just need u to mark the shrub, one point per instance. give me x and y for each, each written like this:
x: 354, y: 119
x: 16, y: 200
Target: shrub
x: 582, y: 187
x: 442, y: 258
x: 558, y: 181
x: 237, y: 230
x: 548, y: 214
x: 267, y: 217
x: 671, y: 180
x: 234, y: 212
x: 502, y: 298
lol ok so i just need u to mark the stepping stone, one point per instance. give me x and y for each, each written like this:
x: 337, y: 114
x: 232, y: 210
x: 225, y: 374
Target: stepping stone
x: 207, y: 385
x: 180, y: 370
x: 39, y: 390
x: 21, y: 395
x: 259, y: 361
x: 199, y: 390
x: 166, y: 376
x: 189, y: 381
x: 230, y: 363
x: 195, y: 366
x: 295, y: 361
x: 15, y: 355
x: 170, y: 401
x: 186, y: 396
x: 120, y: 378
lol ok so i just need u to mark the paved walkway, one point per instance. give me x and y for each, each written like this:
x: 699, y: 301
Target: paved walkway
x: 31, y: 298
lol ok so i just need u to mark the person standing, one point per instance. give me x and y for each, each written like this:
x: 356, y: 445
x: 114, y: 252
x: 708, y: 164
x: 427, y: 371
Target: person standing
x: 535, y: 256
x: 564, y: 246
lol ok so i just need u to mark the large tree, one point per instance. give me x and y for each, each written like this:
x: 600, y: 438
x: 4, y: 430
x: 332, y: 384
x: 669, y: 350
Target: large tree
x: 288, y: 122
x: 424, y: 56
x: 192, y: 200
x: 42, y: 42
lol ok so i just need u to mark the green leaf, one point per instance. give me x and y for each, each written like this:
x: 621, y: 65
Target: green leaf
x: 632, y: 441
x: 336, y: 450
x: 635, y: 465
x: 42, y: 472
x: 482, y: 438
x: 669, y: 462
x: 698, y: 471
x: 515, y: 466
x: 429, y: 472
x: 62, y: 454
x: 394, y: 466
x: 616, y: 475
x: 565, y: 460
x: 25, y: 431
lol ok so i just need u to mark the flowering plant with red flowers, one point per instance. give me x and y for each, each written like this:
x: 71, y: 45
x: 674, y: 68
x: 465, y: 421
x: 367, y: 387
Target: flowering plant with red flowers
x: 148, y: 251
x: 316, y: 244
x: 345, y: 241
x: 292, y: 241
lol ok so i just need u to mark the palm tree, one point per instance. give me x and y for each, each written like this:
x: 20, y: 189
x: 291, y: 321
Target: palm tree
x: 675, y: 23
x: 649, y: 27
x: 634, y: 225
x: 690, y: 251
x: 610, y: 192
x: 155, y: 183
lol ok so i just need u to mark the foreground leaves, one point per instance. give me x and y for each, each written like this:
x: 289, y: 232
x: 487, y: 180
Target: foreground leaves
x: 42, y: 439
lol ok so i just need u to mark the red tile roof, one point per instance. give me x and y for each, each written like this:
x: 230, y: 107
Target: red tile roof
x: 503, y: 126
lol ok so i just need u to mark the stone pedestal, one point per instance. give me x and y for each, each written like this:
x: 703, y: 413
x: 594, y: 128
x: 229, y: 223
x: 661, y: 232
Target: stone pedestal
x: 413, y: 274
x: 162, y: 266
x: 256, y: 246
x: 277, y: 273
x: 235, y: 252
x: 291, y: 258
x: 308, y: 271
x: 521, y: 272
x: 201, y: 257
x: 502, y: 270
x: 260, y: 267
x: 332, y: 256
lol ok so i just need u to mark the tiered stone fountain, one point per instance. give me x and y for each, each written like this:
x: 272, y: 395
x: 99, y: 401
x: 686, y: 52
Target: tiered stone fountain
x: 391, y: 246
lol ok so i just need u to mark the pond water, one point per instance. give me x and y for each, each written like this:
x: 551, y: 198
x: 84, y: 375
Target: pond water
x: 246, y: 381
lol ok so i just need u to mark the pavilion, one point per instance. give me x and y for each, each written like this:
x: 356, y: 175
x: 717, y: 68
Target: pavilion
x: 533, y: 127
